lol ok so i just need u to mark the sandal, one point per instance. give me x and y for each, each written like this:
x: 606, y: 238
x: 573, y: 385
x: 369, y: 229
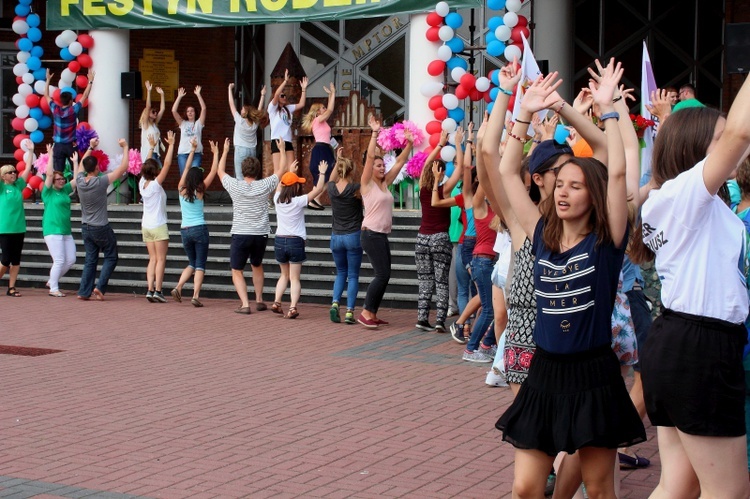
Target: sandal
x: 292, y: 314
x: 196, y: 303
x: 12, y: 292
x: 57, y: 294
x: 276, y: 308
x: 177, y: 295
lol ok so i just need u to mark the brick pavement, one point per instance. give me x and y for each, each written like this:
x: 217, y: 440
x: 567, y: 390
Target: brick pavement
x: 165, y: 400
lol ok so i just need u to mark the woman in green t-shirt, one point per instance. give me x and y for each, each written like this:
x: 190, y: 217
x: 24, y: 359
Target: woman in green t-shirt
x: 56, y: 224
x: 13, y: 221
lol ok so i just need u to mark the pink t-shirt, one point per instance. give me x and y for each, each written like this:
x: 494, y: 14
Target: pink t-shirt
x: 321, y: 131
x: 378, y: 210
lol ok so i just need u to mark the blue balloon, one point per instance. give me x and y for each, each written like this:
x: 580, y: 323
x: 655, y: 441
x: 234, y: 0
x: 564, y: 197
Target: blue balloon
x: 493, y: 93
x: 495, y: 22
x: 34, y: 34
x: 33, y: 20
x: 496, y: 48
x: 37, y: 51
x: 70, y: 91
x: 496, y: 4
x: 66, y: 55
x: 457, y: 62
x: 45, y: 122
x: 40, y: 74
x: 457, y: 114
x: 37, y: 136
x: 25, y: 45
x: 495, y: 77
x: 490, y: 106
x: 36, y: 113
x: 454, y: 20
x: 456, y: 44
x: 33, y: 63
x: 490, y: 37
x: 449, y: 166
x: 22, y: 10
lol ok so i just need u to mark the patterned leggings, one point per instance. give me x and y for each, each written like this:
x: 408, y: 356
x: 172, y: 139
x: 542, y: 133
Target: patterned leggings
x: 433, y: 257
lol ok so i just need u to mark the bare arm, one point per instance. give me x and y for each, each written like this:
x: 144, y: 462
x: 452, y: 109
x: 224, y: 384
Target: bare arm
x: 168, y: 158
x: 322, y: 167
x: 280, y: 169
x: 435, y: 200
x: 162, y: 105
x: 632, y: 146
x: 366, y: 178
x: 586, y: 129
x: 48, y: 179
x: 76, y: 169
x: 331, y: 91
x: 28, y: 158
x: 202, y: 117
x: 230, y: 92
x: 222, y: 168
x: 215, y: 164
x: 400, y: 160
x: 262, y: 100
x: 280, y: 90
x: 123, y: 167
x: 434, y: 154
x: 46, y: 87
x: 183, y: 178
x: 303, y: 99
x: 87, y: 91
x: 457, y: 164
x: 176, y: 106
x: 144, y: 121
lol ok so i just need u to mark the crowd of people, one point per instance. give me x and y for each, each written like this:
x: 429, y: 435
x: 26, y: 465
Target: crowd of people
x: 532, y: 241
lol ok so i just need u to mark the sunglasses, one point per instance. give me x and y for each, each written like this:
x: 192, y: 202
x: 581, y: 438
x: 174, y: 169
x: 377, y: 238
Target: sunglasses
x: 282, y: 96
x: 12, y: 172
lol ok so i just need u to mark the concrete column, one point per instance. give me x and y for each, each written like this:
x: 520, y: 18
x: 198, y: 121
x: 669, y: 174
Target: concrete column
x: 108, y: 111
x: 553, y: 39
x: 421, y: 53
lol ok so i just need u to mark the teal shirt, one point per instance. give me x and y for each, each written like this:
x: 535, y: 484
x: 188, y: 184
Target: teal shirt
x: 13, y: 219
x: 56, y: 218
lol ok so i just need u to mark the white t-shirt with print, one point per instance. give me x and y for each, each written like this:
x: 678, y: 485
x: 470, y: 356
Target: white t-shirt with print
x: 700, y: 249
x: 188, y: 130
x: 154, y: 204
x: 245, y: 134
x: 281, y: 122
x: 290, y: 217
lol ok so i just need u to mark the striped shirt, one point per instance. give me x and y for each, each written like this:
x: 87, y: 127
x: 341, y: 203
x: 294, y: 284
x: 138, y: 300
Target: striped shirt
x: 250, y: 204
x: 64, y: 122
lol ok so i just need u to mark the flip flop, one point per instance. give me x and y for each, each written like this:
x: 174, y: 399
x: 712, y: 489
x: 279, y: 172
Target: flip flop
x: 631, y: 463
x: 57, y: 294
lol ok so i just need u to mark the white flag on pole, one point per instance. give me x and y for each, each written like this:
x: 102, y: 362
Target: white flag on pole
x: 529, y: 72
x: 648, y: 85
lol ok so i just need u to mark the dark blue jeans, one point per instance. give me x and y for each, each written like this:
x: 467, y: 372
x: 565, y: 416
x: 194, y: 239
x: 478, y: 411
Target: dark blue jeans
x: 97, y: 239
x: 347, y: 254
x: 481, y: 275
x: 195, y: 243
x: 378, y: 251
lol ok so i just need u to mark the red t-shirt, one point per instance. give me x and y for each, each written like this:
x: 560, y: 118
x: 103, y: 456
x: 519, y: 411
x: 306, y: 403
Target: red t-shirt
x: 434, y: 220
x: 485, y: 236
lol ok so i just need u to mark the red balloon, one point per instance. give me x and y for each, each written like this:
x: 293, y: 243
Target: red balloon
x: 19, y: 80
x: 18, y: 138
x: 436, y: 67
x: 17, y: 124
x: 74, y: 66
x: 18, y: 154
x: 434, y: 139
x: 56, y: 96
x: 433, y: 19
x: 461, y: 92
x: 475, y: 94
x: 487, y: 97
x: 85, y: 60
x: 512, y: 102
x: 32, y: 100
x: 86, y: 41
x: 433, y: 34
x: 79, y: 98
x: 27, y: 192
x: 82, y: 81
x: 21, y: 165
x: 45, y: 107
x: 84, y: 124
x: 515, y: 34
x: 522, y: 21
x: 428, y: 150
x: 35, y: 182
x: 435, y: 102
x: 433, y: 127
x: 468, y: 81
x: 441, y: 113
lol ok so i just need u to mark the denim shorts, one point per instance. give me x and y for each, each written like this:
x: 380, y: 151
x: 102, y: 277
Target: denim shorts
x: 195, y: 242
x: 289, y: 249
x: 246, y: 246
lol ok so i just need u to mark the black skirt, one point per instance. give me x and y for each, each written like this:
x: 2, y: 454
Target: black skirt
x: 572, y: 401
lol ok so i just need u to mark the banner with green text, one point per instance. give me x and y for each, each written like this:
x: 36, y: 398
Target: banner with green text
x: 140, y: 14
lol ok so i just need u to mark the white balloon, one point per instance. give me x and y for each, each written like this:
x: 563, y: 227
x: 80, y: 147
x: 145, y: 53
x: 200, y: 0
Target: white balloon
x: 23, y: 56
x: 25, y: 89
x: 445, y: 33
x: 452, y: 138
x: 39, y: 86
x: 442, y: 9
x: 457, y: 73
x: 28, y: 78
x: 444, y: 53
x: 67, y: 74
x: 30, y: 124
x: 482, y: 84
x: 450, y: 101
x: 64, y: 83
x: 22, y: 111
x: 510, y: 19
x: 60, y: 41
x: 20, y: 27
x: 75, y: 49
x: 19, y: 99
x: 431, y: 88
x: 447, y: 153
x: 502, y: 33
x: 512, y: 5
x: 27, y: 145
x: 20, y: 68
x: 68, y: 36
x: 449, y: 125
x: 512, y: 51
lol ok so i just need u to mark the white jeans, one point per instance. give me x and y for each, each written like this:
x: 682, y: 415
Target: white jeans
x: 62, y: 249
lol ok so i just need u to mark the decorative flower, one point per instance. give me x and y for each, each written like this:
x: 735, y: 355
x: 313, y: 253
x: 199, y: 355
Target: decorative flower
x: 83, y: 138
x: 386, y: 141
x: 102, y: 158
x: 416, y: 164
x: 641, y: 123
x: 416, y: 133
x: 41, y: 163
x: 390, y: 161
x: 134, y: 161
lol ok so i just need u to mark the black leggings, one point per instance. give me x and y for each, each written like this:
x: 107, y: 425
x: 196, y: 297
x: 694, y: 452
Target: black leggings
x: 378, y: 250
x: 11, y: 246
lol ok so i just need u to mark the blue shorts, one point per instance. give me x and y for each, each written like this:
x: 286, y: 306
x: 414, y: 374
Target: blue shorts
x: 289, y: 249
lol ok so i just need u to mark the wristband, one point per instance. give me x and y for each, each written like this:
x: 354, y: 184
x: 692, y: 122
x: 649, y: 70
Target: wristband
x: 522, y: 121
x: 616, y: 99
x: 536, y: 141
x: 607, y: 116
x: 506, y: 92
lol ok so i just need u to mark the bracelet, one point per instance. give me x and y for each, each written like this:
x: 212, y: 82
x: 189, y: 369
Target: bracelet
x: 522, y: 121
x: 506, y: 92
x: 607, y: 116
x: 511, y: 134
x: 434, y: 190
x: 616, y: 99
x: 536, y: 141
x: 560, y: 108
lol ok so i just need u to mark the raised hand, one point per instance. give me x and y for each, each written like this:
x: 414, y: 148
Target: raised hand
x: 159, y: 90
x: 660, y: 106
x: 263, y: 90
x: 408, y: 136
x: 541, y: 94
x: 181, y: 92
x: 151, y: 140
x: 231, y: 87
x: 193, y: 144
x: 548, y: 127
x: 509, y: 75
x: 50, y: 148
x: 459, y: 138
x: 94, y: 143
x: 227, y: 143
x: 322, y: 168
x: 607, y: 83
x: 281, y: 145
x: 49, y: 75
x: 170, y: 137
x: 148, y: 85
x: 214, y: 147
x: 197, y: 90
x: 293, y: 166
x: 583, y: 101
x: 122, y: 143
x: 374, y: 124
x: 286, y: 75
x: 303, y: 83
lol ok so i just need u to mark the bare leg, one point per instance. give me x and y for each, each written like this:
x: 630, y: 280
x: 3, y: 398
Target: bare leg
x: 197, y: 283
x: 151, y: 268
x: 184, y: 278
x: 678, y: 479
x: 238, y: 279
x: 161, y: 263
x: 258, y: 280
x: 530, y: 474
x: 13, y: 275
x: 282, y: 283
x: 501, y: 312
x: 295, y: 270
x: 569, y: 476
x: 3, y: 270
x: 598, y: 471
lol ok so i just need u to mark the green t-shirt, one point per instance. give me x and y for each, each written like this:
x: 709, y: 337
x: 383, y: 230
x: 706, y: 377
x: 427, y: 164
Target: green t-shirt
x: 456, y: 227
x: 56, y: 218
x: 13, y: 219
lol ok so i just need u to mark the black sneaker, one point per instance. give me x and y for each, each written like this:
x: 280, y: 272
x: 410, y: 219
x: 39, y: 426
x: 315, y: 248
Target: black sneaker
x: 424, y: 326
x: 457, y: 333
x: 440, y: 327
x: 159, y: 297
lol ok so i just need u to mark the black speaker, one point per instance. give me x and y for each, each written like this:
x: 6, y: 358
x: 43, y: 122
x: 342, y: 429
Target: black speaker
x: 130, y: 85
x: 543, y: 66
x: 737, y: 42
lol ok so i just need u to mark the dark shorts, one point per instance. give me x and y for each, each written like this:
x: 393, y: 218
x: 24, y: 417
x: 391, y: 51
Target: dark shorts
x: 11, y: 246
x: 693, y: 377
x: 275, y: 148
x: 289, y: 249
x: 641, y: 315
x: 246, y: 246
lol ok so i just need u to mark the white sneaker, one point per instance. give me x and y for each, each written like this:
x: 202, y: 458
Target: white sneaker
x: 495, y: 378
x: 477, y: 356
x: 452, y: 312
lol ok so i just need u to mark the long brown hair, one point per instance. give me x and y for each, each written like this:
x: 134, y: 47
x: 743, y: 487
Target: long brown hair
x: 682, y: 142
x: 288, y: 192
x: 253, y: 115
x: 595, y: 175
x: 427, y: 178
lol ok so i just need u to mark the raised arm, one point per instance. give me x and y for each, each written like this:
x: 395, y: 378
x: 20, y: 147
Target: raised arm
x: 400, y: 160
x: 331, y: 91
x: 660, y: 106
x: 87, y: 91
x: 631, y: 144
x: 144, y: 119
x: 280, y: 89
x: 434, y: 153
x: 176, y: 106
x: 366, y: 178
x: 318, y: 188
x: 167, y: 159
x: 186, y: 170
x: 281, y: 168
x: 162, y: 105
x: 732, y: 145
x: 303, y: 99
x: 215, y: 164
x: 435, y: 200
x: 202, y: 117
x: 76, y: 169
x: 123, y: 167
x: 585, y: 128
x: 50, y: 175
x: 262, y: 100
x: 46, y: 87
x: 457, y: 165
x: 230, y: 92
x: 28, y: 158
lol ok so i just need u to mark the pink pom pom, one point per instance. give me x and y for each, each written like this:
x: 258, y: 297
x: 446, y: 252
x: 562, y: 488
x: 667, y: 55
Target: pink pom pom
x: 416, y: 164
x: 41, y: 163
x: 416, y: 133
x: 134, y: 162
x: 385, y: 139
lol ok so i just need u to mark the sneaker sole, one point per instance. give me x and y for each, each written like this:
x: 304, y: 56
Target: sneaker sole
x: 150, y: 299
x: 424, y: 328
x: 478, y: 361
x: 334, y: 314
x: 368, y: 326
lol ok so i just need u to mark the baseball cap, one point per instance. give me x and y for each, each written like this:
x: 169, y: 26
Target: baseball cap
x: 290, y: 178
